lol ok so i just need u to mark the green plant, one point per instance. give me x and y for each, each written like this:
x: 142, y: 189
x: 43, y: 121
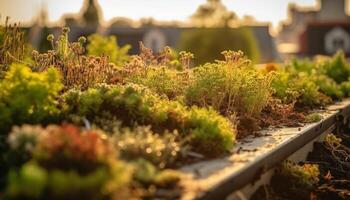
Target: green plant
x: 77, y: 70
x: 28, y: 97
x: 305, y: 78
x: 328, y: 86
x: 230, y: 86
x: 336, y: 68
x: 308, y: 91
x: 301, y: 175
x: 313, y: 117
x: 141, y: 142
x: 167, y: 178
x: 333, y: 141
x: 145, y: 171
x: 345, y: 88
x: 99, y: 46
x: 136, y: 105
x: 162, y: 73
x: 147, y: 174
x: 211, y: 134
x: 298, y: 87
x: 163, y: 81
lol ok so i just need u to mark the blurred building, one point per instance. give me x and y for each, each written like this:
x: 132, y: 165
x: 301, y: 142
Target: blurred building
x: 153, y: 36
x: 312, y: 31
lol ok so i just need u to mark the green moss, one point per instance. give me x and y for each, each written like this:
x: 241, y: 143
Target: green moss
x: 313, y: 117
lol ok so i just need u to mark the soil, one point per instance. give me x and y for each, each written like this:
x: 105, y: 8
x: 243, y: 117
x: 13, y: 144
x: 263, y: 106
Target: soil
x: 334, y: 179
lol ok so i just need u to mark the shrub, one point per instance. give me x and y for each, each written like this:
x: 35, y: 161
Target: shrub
x: 108, y: 46
x: 301, y: 80
x: 336, y: 68
x: 230, y: 86
x: 161, y: 80
x: 308, y: 91
x: 329, y: 87
x: 136, y: 105
x: 28, y: 97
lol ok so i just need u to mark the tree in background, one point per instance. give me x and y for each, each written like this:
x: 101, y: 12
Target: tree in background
x: 213, y: 14
x: 99, y: 45
x: 206, y: 44
x: 91, y: 14
x: 217, y: 35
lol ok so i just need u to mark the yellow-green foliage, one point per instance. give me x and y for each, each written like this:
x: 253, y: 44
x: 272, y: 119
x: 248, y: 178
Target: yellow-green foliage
x: 99, y: 45
x: 141, y: 142
x: 167, y: 178
x: 301, y: 175
x: 313, y: 117
x: 313, y: 83
x: 297, y: 87
x: 136, y: 105
x: 333, y: 141
x: 230, y: 86
x: 162, y: 80
x: 28, y: 97
x: 163, y: 73
x: 336, y: 67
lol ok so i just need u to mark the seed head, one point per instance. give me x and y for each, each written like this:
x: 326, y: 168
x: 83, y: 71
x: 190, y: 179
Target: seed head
x: 65, y: 30
x: 50, y: 37
x: 82, y: 40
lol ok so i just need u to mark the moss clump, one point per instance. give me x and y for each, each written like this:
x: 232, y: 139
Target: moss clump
x: 313, y: 117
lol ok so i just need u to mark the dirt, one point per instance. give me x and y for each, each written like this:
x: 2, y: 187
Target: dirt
x: 334, y: 178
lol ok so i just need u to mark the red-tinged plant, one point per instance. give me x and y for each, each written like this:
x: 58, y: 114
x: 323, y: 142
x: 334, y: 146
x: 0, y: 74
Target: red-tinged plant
x: 67, y: 147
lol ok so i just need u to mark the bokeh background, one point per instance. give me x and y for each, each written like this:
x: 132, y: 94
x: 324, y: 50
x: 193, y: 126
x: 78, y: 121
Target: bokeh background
x: 267, y: 31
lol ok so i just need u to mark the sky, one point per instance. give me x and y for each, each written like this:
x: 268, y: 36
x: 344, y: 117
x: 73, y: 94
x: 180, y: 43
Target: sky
x: 263, y: 10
